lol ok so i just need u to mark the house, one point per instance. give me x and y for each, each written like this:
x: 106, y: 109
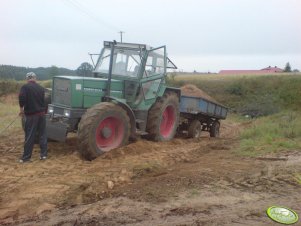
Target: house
x: 266, y: 70
x: 270, y: 69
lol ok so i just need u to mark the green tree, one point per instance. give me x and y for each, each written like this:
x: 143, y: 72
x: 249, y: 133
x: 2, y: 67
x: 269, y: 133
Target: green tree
x: 53, y: 71
x: 43, y: 73
x: 85, y: 70
x: 287, y: 67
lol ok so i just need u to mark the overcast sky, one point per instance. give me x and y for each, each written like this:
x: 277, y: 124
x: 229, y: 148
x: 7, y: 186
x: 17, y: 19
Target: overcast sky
x: 202, y: 35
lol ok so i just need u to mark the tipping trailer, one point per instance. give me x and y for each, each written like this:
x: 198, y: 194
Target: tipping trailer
x: 200, y: 114
x: 126, y: 97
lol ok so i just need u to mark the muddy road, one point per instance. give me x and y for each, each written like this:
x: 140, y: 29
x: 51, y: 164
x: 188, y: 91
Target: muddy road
x: 181, y: 182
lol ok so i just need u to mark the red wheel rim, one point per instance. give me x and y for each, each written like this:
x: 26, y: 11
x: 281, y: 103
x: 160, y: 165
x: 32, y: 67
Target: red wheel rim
x: 109, y: 133
x: 168, y: 121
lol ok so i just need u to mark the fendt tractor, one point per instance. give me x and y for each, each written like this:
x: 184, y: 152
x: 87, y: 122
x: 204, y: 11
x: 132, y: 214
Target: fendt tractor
x: 126, y: 97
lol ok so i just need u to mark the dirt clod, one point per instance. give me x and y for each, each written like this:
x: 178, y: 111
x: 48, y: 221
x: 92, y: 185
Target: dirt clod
x: 110, y: 184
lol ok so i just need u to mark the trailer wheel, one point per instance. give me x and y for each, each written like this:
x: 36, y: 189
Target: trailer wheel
x: 194, y: 129
x: 103, y: 127
x: 214, y: 129
x: 163, y: 118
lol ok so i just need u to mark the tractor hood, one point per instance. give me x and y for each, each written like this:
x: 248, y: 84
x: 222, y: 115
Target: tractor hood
x: 80, y: 92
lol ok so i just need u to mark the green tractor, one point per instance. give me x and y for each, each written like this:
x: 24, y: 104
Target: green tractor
x: 126, y: 97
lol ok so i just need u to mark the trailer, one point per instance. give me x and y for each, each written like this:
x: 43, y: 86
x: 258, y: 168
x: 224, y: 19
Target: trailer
x: 200, y: 114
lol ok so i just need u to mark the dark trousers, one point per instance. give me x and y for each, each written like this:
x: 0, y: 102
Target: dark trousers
x: 35, y: 124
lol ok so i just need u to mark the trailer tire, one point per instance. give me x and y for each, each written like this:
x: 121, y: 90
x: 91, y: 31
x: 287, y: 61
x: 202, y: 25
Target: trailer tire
x: 214, y: 129
x: 103, y: 127
x: 194, y: 129
x: 163, y: 118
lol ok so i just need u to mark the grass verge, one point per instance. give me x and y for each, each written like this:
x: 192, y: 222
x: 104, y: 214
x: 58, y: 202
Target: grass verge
x: 10, y: 86
x: 249, y: 95
x: 270, y: 134
x: 8, y: 113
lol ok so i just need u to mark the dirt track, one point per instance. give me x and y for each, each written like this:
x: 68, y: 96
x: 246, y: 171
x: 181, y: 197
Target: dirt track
x: 182, y: 182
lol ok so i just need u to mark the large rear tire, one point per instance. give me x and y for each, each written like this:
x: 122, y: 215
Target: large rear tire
x: 194, y: 129
x: 163, y: 118
x: 103, y: 127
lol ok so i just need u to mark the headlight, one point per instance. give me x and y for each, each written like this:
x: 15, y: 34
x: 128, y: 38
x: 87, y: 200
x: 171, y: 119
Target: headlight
x: 67, y: 112
x: 50, y: 109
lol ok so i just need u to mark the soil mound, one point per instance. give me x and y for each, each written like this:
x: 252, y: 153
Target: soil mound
x: 193, y: 91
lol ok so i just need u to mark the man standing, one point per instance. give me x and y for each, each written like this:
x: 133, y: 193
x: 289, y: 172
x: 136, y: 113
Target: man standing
x: 31, y: 101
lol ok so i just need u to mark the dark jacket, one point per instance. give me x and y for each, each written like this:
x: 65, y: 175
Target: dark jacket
x: 31, y: 97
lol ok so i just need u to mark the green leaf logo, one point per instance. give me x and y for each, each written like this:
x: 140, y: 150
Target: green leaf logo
x: 282, y: 215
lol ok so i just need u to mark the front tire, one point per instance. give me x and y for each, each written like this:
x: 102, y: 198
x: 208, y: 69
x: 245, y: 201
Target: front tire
x: 103, y: 127
x: 163, y: 118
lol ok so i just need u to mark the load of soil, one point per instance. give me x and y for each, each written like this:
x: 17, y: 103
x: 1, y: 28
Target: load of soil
x: 193, y: 91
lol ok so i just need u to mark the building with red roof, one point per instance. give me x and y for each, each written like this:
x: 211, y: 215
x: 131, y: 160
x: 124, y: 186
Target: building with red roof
x: 266, y: 70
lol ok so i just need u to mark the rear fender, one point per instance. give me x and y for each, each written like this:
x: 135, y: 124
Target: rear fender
x: 165, y: 89
x: 175, y: 90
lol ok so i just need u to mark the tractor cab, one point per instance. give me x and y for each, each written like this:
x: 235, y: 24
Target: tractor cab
x: 141, y: 68
x: 132, y: 61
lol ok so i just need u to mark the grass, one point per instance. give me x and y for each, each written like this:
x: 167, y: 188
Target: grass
x: 9, y: 86
x: 271, y: 102
x: 8, y: 113
x: 12, y: 86
x: 46, y: 83
x: 279, y: 132
x: 252, y: 95
x: 221, y: 77
x: 9, y: 105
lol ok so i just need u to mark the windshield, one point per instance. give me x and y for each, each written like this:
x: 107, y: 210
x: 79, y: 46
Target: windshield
x: 126, y: 62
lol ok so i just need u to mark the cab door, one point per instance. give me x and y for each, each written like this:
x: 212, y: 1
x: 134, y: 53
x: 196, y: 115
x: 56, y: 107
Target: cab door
x: 154, y: 73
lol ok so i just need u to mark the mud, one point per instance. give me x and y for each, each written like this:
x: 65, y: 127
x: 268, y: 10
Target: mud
x: 181, y: 182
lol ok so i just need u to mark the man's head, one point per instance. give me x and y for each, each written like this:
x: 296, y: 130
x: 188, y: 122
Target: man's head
x: 30, y: 76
